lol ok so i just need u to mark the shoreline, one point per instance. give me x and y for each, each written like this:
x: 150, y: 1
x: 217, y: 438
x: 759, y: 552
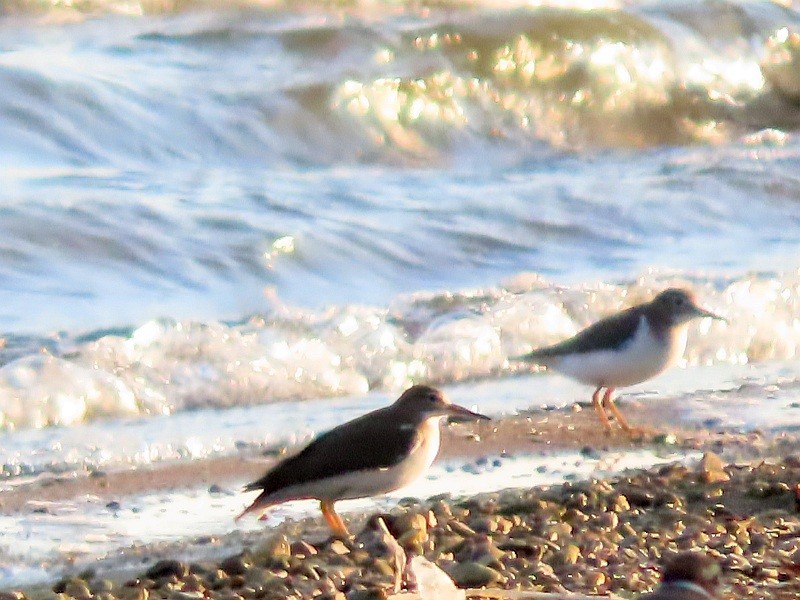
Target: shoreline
x: 537, y: 432
x: 593, y: 537
x: 534, y: 432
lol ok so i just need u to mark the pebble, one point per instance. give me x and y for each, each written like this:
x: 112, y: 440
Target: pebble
x: 235, y: 565
x: 473, y: 574
x: 181, y: 595
x: 339, y: 547
x: 367, y: 594
x: 594, y: 537
x: 133, y: 593
x: 302, y: 549
x: 77, y: 589
x: 167, y: 568
x: 100, y: 586
x: 276, y: 550
x: 712, y: 468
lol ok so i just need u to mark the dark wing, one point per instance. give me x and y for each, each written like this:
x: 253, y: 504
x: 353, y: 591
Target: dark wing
x: 353, y: 446
x: 607, y: 334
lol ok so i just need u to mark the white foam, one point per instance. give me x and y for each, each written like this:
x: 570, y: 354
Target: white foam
x: 166, y: 366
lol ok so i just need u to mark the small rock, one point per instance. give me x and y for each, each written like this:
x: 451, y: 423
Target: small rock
x: 339, y: 547
x: 218, y: 490
x: 367, y: 594
x: 235, y: 565
x: 77, y: 589
x: 407, y: 523
x: 621, y: 504
x: 639, y: 498
x: 460, y: 528
x: 193, y: 583
x: 167, y: 568
x: 100, y: 586
x: 412, y: 540
x: 441, y: 509
x: 303, y: 549
x: 432, y: 582
x: 275, y: 549
x: 595, y: 579
x: 712, y: 469
x: 570, y: 555
x: 382, y: 566
x: 484, y: 524
x: 665, y: 439
x: 133, y: 593
x: 180, y: 595
x: 608, y: 520
x: 792, y: 461
x: 224, y: 595
x: 472, y: 574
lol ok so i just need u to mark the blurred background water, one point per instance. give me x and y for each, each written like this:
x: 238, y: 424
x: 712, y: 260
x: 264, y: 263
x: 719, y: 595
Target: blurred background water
x: 224, y: 208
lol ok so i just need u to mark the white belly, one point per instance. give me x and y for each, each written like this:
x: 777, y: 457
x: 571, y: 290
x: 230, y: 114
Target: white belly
x: 645, y: 356
x: 361, y: 484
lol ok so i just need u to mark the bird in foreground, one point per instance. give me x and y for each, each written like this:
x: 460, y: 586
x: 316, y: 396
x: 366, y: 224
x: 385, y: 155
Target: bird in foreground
x: 626, y: 348
x: 688, y: 576
x: 374, y: 454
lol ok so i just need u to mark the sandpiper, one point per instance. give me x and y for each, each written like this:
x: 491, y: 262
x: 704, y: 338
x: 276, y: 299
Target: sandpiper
x: 625, y: 349
x: 688, y: 576
x: 374, y: 454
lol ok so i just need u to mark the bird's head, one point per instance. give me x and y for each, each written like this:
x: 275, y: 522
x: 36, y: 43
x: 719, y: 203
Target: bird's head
x: 675, y: 306
x: 421, y: 402
x: 693, y: 567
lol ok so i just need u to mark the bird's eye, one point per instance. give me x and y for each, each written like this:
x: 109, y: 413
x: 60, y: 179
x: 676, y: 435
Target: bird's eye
x: 679, y: 301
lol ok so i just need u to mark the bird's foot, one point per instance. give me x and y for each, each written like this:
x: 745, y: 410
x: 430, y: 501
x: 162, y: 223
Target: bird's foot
x: 641, y: 434
x: 637, y: 434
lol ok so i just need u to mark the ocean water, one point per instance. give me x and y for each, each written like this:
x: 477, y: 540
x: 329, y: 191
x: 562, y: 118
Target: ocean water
x: 227, y: 223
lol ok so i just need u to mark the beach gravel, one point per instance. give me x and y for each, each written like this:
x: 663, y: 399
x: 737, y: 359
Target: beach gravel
x: 593, y: 537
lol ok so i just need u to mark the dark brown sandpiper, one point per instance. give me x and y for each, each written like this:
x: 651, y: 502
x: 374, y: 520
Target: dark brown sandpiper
x: 374, y: 454
x: 688, y: 576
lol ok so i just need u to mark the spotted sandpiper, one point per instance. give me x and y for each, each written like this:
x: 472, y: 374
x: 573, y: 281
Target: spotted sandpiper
x: 688, y: 576
x: 625, y: 349
x: 374, y: 454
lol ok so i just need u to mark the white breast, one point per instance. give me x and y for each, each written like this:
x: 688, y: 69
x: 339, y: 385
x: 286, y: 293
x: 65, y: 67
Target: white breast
x: 643, y: 357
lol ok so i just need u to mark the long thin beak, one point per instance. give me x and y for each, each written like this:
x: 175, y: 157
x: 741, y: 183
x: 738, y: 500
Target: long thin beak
x: 459, y: 413
x: 702, y: 312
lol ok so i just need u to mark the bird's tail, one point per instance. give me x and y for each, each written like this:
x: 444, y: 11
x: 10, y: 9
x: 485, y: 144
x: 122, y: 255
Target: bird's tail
x: 531, y: 357
x: 246, y: 511
x: 259, y: 504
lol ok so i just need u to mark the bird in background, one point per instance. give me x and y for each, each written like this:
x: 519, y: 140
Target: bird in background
x: 689, y: 575
x: 376, y: 453
x: 624, y: 349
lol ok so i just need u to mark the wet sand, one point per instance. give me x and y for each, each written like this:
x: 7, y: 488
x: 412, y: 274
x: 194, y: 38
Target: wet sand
x: 529, y: 433
x: 475, y: 521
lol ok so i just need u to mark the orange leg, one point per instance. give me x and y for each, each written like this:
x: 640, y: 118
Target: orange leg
x: 600, y: 411
x: 608, y: 402
x: 333, y: 520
